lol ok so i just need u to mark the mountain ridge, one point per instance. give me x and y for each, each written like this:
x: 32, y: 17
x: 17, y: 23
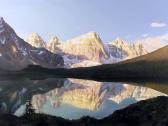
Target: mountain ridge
x: 16, y: 54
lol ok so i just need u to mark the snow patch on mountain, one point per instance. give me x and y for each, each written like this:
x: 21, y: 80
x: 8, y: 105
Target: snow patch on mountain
x: 85, y: 63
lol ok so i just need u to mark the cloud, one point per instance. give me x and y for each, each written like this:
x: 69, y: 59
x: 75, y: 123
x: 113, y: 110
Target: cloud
x: 158, y: 24
x: 153, y: 43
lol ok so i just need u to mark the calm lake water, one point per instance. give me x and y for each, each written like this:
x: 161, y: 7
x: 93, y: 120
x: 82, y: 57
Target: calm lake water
x: 73, y: 98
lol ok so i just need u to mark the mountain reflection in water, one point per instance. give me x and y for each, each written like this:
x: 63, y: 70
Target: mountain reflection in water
x: 73, y: 98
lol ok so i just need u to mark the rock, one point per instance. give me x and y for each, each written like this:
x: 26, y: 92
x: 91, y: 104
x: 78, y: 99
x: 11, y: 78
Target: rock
x: 121, y: 49
x: 35, y: 40
x: 88, y: 47
x: 52, y: 44
x: 151, y: 112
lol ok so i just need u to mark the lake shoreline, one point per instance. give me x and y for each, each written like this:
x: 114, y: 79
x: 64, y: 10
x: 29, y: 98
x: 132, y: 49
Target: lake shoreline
x: 131, y: 115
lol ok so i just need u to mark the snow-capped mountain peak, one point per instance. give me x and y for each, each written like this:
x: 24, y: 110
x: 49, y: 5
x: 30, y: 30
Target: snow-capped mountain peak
x: 125, y: 50
x: 52, y: 44
x: 35, y: 40
x: 7, y: 33
x: 88, y: 46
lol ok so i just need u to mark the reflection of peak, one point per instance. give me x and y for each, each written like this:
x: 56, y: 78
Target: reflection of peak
x: 88, y: 98
x: 15, y: 93
x: 138, y: 93
x: 81, y: 94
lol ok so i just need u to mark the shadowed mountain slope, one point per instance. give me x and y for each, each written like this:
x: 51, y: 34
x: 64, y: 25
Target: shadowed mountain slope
x: 16, y: 54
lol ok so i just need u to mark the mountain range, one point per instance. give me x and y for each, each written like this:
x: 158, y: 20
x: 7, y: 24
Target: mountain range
x: 150, y: 66
x: 83, y: 51
x: 88, y: 48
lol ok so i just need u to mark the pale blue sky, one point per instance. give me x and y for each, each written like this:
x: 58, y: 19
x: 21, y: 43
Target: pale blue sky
x: 128, y: 19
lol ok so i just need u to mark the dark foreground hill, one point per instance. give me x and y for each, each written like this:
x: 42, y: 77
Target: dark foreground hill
x: 152, y: 112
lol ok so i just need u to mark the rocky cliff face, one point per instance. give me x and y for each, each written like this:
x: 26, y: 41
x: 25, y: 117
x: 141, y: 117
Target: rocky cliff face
x: 35, y: 40
x: 88, y: 46
x: 16, y: 54
x: 52, y: 44
x: 89, y: 50
x: 121, y: 49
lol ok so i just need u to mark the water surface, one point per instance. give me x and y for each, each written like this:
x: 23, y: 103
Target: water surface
x: 73, y: 98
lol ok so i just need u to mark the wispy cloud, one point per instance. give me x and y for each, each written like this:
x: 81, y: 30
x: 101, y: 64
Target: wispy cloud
x: 158, y: 24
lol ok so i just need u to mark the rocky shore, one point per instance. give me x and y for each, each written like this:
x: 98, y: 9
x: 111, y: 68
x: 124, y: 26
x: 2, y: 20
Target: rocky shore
x: 151, y: 112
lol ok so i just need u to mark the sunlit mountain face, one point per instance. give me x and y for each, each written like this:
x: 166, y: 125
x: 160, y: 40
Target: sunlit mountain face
x: 71, y: 98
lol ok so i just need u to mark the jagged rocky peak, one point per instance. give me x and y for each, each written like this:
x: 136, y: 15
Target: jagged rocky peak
x: 88, y: 46
x: 118, y: 41
x: 1, y: 21
x: 121, y: 43
x: 35, y: 40
x: 16, y: 54
x: 6, y: 32
x: 11, y: 56
x: 54, y: 40
x: 123, y: 49
x: 52, y: 44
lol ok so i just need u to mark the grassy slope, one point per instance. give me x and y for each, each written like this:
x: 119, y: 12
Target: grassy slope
x: 153, y: 65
